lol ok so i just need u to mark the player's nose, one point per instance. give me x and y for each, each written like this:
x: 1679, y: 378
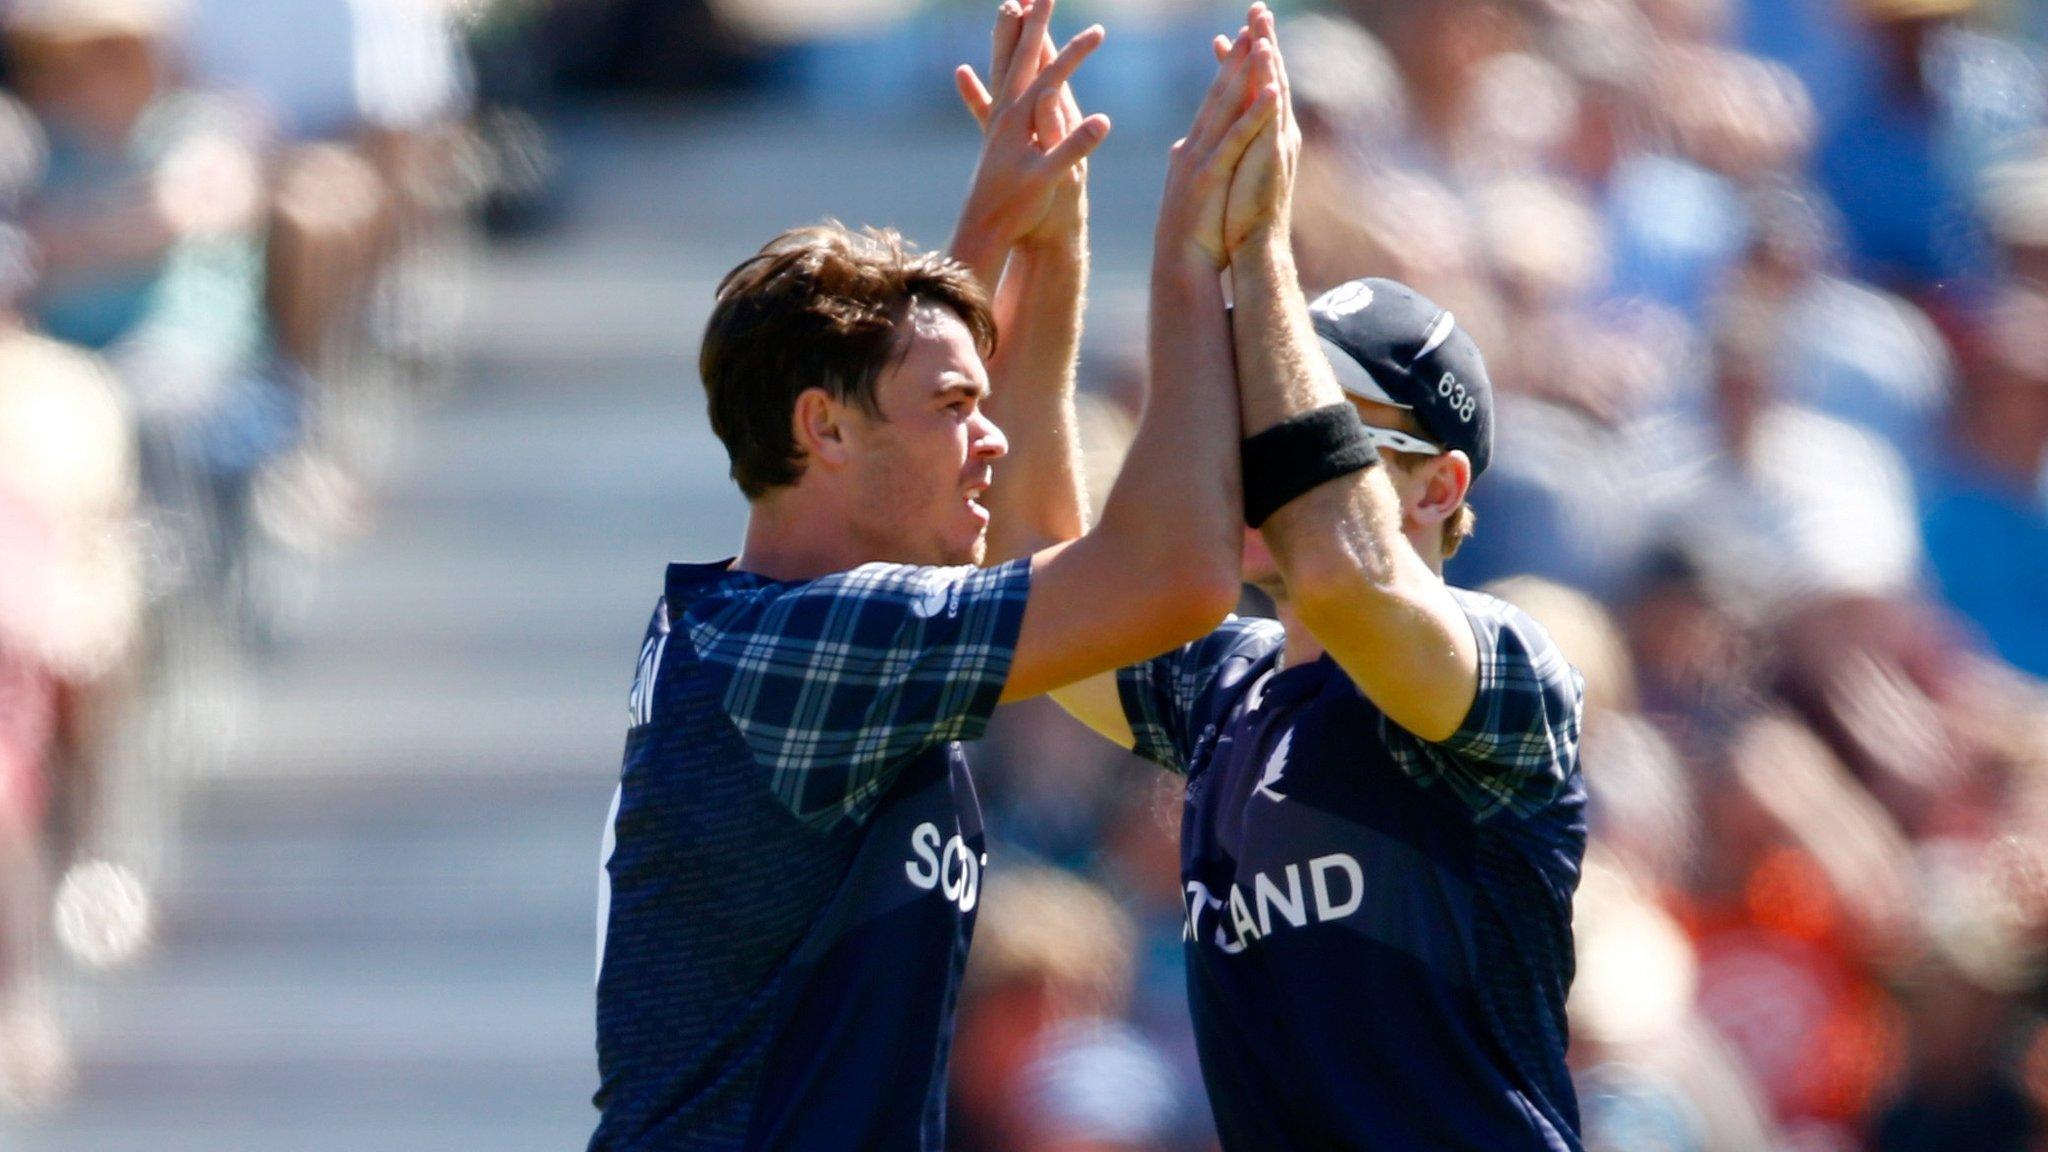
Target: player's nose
x: 988, y: 441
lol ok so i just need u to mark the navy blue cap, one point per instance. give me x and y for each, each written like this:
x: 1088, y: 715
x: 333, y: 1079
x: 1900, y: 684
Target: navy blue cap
x: 1389, y: 343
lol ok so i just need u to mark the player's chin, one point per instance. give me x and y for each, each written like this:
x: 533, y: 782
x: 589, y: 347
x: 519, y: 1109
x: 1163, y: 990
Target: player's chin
x: 966, y: 546
x: 974, y: 549
x: 969, y: 542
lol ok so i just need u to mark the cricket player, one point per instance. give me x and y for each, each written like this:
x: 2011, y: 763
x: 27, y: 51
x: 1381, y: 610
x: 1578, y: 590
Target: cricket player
x: 794, y: 854
x: 1385, y: 818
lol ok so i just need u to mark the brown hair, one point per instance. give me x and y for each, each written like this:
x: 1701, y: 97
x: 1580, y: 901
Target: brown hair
x: 818, y: 307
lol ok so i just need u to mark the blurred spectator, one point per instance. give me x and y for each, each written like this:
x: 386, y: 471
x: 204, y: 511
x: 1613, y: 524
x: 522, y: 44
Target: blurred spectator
x: 1140, y: 864
x: 1859, y: 671
x: 70, y: 602
x: 326, y: 69
x: 1347, y: 93
x: 2015, y: 198
x: 1987, y: 503
x: 1362, y: 204
x: 1845, y: 349
x: 1653, y: 1076
x: 1698, y: 662
x: 1942, y: 100
x: 1801, y: 873
x: 1823, y: 41
x: 1778, y: 503
x: 1961, y: 1090
x: 158, y: 311
x: 1049, y: 783
x: 1100, y: 1086
x: 1442, y: 48
x: 151, y: 194
x: 1668, y: 137
x: 1747, y: 119
x: 146, y: 229
x: 327, y: 78
x: 1039, y: 1062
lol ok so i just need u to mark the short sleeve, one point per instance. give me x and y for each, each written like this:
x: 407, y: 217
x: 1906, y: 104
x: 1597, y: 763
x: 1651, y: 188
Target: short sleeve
x: 835, y: 684
x: 1162, y: 697
x: 1519, y: 745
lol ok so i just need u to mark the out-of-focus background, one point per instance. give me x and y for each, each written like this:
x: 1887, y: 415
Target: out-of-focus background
x: 347, y: 417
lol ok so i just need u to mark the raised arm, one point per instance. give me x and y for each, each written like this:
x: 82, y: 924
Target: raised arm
x: 1037, y: 498
x: 1161, y: 568
x: 1352, y: 577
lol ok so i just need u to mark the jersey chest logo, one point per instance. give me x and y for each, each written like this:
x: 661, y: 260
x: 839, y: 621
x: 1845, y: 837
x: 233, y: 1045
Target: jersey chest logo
x: 1275, y: 765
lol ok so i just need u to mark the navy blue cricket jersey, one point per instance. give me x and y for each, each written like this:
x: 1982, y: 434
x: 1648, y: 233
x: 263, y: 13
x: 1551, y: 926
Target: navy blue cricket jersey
x: 1378, y: 928
x: 795, y: 856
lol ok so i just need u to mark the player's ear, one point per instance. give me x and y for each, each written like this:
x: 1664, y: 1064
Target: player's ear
x: 1449, y: 478
x: 819, y: 426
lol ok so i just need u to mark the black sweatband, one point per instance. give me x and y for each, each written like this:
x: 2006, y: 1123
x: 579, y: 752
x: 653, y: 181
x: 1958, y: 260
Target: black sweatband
x: 1302, y: 453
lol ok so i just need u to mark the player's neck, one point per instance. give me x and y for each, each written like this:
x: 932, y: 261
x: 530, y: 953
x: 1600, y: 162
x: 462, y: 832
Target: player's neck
x: 792, y: 538
x: 1302, y: 645
x: 1428, y: 542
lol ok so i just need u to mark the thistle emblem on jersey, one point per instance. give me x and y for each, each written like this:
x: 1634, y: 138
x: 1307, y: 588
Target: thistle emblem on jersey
x: 1275, y: 765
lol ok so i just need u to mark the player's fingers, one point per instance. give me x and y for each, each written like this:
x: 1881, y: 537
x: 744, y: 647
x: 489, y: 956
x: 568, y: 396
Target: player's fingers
x: 1046, y: 121
x: 1079, y: 143
x: 1255, y: 122
x: 1268, y: 29
x: 1264, y: 69
x: 1070, y: 109
x: 1057, y: 73
x: 972, y: 94
x: 1003, y: 43
x: 1221, y: 47
x: 1260, y: 20
x: 1214, y: 114
x: 1024, y: 55
x: 1226, y: 97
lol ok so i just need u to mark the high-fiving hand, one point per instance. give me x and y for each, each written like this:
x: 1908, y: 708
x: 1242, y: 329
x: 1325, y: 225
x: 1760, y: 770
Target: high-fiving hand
x: 1030, y: 184
x: 1261, y: 201
x: 1242, y: 104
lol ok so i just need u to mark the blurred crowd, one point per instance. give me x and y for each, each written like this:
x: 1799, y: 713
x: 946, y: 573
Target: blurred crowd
x: 1763, y: 287
x: 232, y: 243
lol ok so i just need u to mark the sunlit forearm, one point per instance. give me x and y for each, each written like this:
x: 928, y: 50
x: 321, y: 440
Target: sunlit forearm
x: 1038, y: 497
x: 1281, y: 370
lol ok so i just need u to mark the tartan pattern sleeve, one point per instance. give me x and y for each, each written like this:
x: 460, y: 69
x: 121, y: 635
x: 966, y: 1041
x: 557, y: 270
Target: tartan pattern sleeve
x: 1519, y: 745
x: 836, y: 683
x: 1159, y: 695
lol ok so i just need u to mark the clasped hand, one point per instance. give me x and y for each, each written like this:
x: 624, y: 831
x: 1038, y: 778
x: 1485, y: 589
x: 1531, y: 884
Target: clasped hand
x: 1231, y: 179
